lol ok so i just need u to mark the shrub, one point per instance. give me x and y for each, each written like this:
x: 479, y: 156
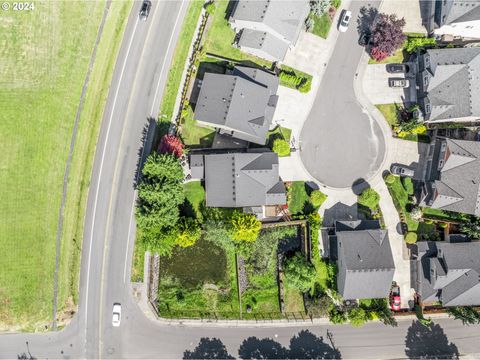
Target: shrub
x: 419, y: 129
x: 408, y: 185
x: 245, y: 227
x: 299, y: 272
x: 428, y: 221
x: 443, y: 225
x: 357, y: 316
x: 170, y: 144
x: 336, y: 3
x: 317, y: 198
x: 413, y: 43
x: 390, y: 179
x: 411, y: 238
x: 369, y: 198
x: 305, y: 85
x: 318, y: 7
x: 189, y: 232
x: 210, y: 7
x: 416, y: 213
x: 281, y: 147
x: 337, y: 316
x: 289, y: 79
x: 472, y: 228
x: 378, y: 55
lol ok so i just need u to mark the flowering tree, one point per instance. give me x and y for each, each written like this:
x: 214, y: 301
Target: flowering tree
x: 387, y: 35
x: 171, y: 145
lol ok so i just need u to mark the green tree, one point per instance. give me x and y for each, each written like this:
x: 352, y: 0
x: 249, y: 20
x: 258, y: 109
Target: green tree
x: 390, y: 179
x: 159, y: 240
x: 337, y: 316
x: 357, y: 316
x: 245, y: 227
x: 381, y: 308
x: 210, y: 7
x: 408, y: 185
x: 159, y: 195
x: 472, y: 228
x: 281, y: 147
x: 299, y: 273
x: 411, y: 238
x: 216, y: 232
x: 413, y: 43
x: 317, y: 198
x: 467, y: 314
x: 189, y: 232
x: 369, y: 198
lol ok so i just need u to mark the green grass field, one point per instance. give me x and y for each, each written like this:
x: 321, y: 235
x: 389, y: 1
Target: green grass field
x: 44, y: 64
x: 321, y: 26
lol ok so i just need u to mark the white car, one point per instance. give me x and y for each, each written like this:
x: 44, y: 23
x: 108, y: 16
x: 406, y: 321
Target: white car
x: 344, y: 20
x: 117, y: 314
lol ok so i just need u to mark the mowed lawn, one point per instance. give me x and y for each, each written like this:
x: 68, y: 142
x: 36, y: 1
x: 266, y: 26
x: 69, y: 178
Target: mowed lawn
x: 45, y: 55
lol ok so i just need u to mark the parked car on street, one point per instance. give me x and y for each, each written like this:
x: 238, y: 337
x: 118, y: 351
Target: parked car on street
x: 401, y: 171
x: 395, y: 302
x: 397, y: 68
x: 344, y: 20
x: 398, y: 83
x: 145, y: 10
x: 117, y: 314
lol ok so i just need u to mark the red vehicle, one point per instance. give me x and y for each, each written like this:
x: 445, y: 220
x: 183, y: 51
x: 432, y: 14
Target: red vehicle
x: 395, y: 298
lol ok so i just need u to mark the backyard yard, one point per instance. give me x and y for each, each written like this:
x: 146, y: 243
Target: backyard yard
x: 41, y: 81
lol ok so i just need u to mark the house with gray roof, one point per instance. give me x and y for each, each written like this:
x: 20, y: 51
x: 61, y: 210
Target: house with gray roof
x: 448, y: 273
x: 240, y: 180
x: 452, y: 17
x: 364, y: 260
x: 452, y: 179
x: 268, y: 28
x: 240, y: 104
x: 448, y: 84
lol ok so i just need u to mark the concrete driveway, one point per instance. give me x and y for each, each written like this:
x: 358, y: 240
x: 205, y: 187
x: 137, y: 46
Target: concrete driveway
x: 375, y: 85
x: 340, y: 142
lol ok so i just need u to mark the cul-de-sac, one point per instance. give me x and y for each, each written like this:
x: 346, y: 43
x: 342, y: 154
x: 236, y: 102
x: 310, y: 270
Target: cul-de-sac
x: 251, y: 179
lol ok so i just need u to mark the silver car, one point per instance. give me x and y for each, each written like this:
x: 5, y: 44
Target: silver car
x: 398, y: 83
x: 117, y: 314
x: 401, y: 171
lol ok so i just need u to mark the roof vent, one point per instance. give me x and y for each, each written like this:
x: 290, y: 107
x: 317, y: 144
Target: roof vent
x: 360, y: 258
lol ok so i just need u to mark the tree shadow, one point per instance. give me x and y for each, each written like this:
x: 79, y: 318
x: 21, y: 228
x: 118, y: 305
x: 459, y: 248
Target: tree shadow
x: 366, y: 19
x: 254, y: 348
x: 428, y: 343
x: 359, y: 186
x: 304, y: 345
x: 187, y: 209
x: 208, y: 348
x: 307, y: 345
x: 149, y: 134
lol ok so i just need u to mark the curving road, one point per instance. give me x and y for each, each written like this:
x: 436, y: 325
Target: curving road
x: 135, y: 93
x: 340, y: 142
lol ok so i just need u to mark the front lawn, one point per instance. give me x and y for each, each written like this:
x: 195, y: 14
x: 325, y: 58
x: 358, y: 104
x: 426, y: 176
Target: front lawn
x: 322, y: 25
x: 391, y: 113
x: 42, y: 75
x: 194, y: 135
x: 302, y: 199
x: 401, y: 201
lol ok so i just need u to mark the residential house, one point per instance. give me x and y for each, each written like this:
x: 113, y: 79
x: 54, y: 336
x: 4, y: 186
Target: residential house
x: 240, y: 104
x: 458, y: 18
x: 448, y: 273
x: 448, y: 84
x: 268, y: 28
x: 240, y: 180
x: 364, y: 260
x: 452, y: 179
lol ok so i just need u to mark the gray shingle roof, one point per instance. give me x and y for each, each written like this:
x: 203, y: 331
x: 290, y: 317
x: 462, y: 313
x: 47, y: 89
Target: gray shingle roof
x: 449, y: 272
x: 283, y: 17
x: 243, y: 179
x: 365, y: 263
x: 453, y: 89
x: 462, y: 11
x: 268, y: 44
x: 457, y: 183
x: 243, y: 102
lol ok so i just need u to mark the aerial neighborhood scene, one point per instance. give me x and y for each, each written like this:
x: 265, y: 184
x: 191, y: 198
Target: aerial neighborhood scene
x: 253, y: 179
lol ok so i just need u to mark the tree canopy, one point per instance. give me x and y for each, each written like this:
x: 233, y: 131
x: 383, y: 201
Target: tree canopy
x: 387, y: 35
x: 299, y: 273
x: 245, y: 227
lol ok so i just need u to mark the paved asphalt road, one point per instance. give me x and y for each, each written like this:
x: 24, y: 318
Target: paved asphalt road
x: 108, y: 244
x: 340, y: 143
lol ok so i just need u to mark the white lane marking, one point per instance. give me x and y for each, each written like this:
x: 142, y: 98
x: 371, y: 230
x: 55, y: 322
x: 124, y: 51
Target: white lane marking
x: 128, y: 239
x: 151, y: 111
x: 165, y: 58
x: 100, y: 174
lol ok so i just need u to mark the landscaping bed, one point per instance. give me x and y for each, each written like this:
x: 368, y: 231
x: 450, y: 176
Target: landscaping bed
x: 391, y: 113
x: 323, y: 22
